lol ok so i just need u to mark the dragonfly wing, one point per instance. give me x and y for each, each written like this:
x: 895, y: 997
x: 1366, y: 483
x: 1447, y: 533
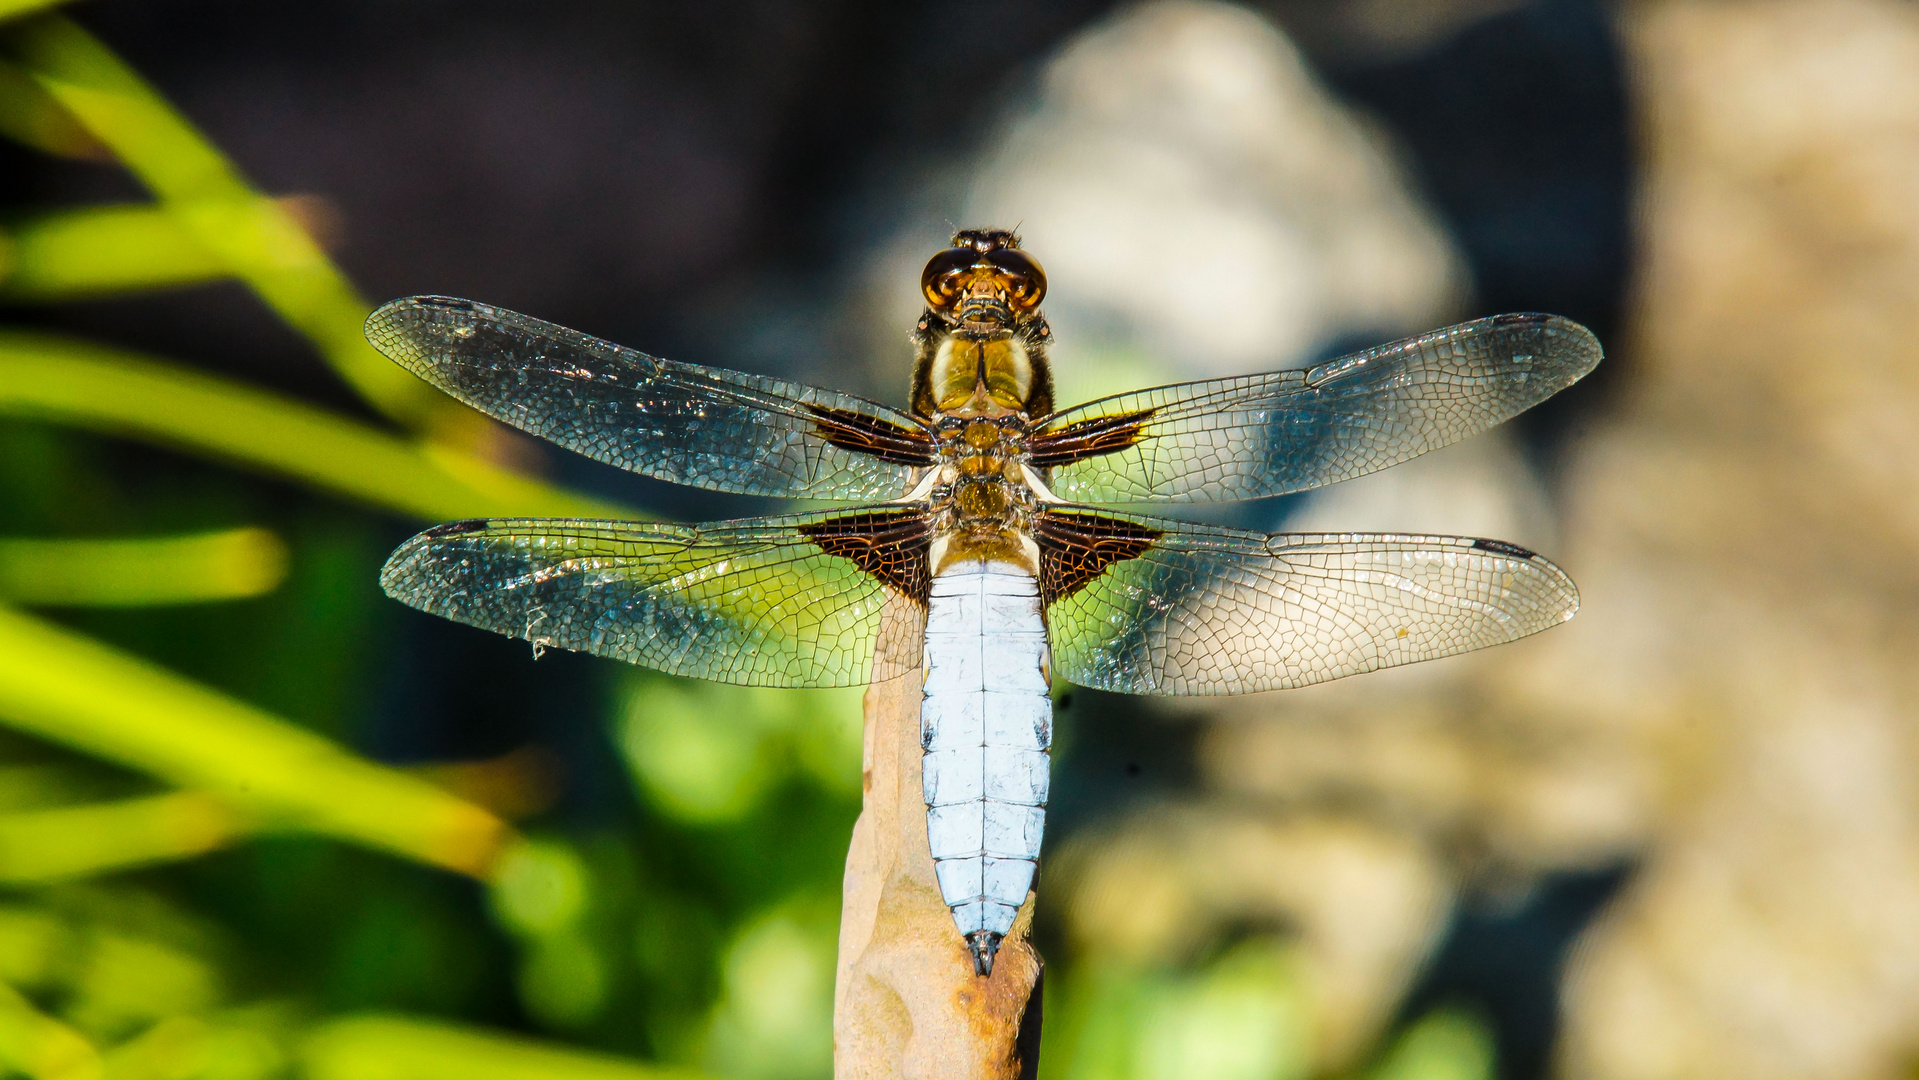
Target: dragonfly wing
x: 783, y: 601
x: 1149, y: 606
x: 1259, y: 435
x: 706, y: 427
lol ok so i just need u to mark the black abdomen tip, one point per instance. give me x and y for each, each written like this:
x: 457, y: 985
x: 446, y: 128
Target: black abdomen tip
x: 983, y: 944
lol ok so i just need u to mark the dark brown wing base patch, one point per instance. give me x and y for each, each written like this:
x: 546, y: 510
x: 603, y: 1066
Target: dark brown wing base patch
x: 890, y: 443
x: 1088, y: 438
x: 889, y: 545
x: 1076, y: 548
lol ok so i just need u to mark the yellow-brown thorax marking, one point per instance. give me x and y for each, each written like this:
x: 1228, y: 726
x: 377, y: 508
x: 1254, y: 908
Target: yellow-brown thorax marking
x: 1000, y: 365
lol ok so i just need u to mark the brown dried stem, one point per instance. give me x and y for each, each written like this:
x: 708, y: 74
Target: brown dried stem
x: 907, y: 1004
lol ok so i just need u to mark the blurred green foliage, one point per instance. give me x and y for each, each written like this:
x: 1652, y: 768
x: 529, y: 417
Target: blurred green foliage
x: 225, y: 564
x: 1447, y: 1044
x: 1244, y: 1016
x: 200, y: 879
x: 100, y: 250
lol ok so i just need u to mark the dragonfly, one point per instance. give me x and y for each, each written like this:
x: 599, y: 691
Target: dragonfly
x: 978, y: 539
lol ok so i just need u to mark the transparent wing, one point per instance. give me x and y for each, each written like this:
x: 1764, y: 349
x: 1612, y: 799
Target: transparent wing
x: 1148, y: 606
x: 706, y: 427
x: 785, y: 601
x: 1260, y: 435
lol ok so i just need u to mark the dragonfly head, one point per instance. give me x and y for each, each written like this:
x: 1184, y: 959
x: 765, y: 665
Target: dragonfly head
x: 984, y: 282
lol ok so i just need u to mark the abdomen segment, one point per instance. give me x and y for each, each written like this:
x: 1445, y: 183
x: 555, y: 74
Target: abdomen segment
x: 986, y: 722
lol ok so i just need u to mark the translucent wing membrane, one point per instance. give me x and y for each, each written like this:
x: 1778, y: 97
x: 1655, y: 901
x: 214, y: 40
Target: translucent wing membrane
x: 707, y: 427
x: 1149, y: 606
x: 1260, y: 435
x: 785, y: 601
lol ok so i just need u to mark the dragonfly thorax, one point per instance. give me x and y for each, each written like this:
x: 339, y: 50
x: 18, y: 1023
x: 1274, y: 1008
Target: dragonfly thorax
x: 982, y: 493
x: 998, y: 366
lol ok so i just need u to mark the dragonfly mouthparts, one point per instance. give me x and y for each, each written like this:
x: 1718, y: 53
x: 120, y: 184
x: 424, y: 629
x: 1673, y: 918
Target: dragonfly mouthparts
x: 985, y: 317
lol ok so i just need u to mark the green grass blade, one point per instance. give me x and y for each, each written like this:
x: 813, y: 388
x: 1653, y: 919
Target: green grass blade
x: 254, y: 237
x: 30, y: 116
x: 69, y: 689
x: 141, y: 572
x: 239, y: 1046
x: 70, y: 382
x: 397, y: 1048
x: 73, y: 254
x: 39, y: 846
x: 12, y: 9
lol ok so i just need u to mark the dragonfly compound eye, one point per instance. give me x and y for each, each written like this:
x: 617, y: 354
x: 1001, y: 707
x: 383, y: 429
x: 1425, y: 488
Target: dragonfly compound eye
x: 1025, y: 281
x: 945, y: 276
